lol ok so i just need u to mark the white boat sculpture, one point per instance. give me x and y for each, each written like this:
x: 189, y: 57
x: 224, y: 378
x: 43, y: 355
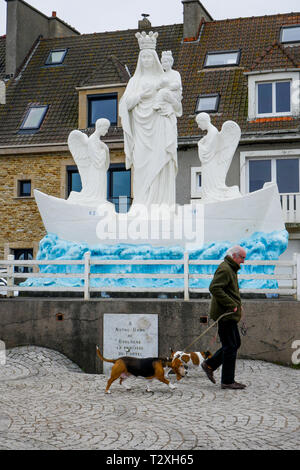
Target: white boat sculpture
x: 230, y: 220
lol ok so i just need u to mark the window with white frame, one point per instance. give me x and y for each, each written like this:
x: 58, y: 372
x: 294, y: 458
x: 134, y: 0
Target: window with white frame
x: 196, y: 182
x: 273, y: 94
x: 273, y: 98
x: 280, y: 167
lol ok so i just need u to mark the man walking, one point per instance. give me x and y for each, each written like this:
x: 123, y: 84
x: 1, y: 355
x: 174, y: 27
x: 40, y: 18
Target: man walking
x: 226, y: 298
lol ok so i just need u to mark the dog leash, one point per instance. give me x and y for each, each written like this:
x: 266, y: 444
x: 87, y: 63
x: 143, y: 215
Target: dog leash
x: 204, y: 333
x: 244, y: 329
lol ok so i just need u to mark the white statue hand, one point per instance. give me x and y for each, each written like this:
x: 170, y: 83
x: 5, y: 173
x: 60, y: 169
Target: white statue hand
x: 147, y: 91
x: 169, y: 98
x: 146, y: 94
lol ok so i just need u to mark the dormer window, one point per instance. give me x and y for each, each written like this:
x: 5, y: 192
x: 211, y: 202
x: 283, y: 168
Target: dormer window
x: 274, y: 98
x: 273, y: 95
x: 100, y: 101
x: 56, y: 57
x: 208, y: 103
x: 222, y: 59
x: 103, y: 106
x: 34, y: 118
x: 290, y: 34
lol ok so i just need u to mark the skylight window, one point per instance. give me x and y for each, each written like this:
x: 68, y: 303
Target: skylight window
x: 56, y: 57
x: 34, y: 118
x: 290, y: 34
x: 208, y: 103
x: 222, y: 59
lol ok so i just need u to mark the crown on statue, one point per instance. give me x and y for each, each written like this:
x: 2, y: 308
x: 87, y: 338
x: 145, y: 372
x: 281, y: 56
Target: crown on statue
x: 167, y: 54
x: 147, y: 41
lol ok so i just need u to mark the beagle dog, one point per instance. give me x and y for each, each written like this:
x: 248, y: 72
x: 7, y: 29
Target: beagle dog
x: 191, y: 360
x: 150, y: 368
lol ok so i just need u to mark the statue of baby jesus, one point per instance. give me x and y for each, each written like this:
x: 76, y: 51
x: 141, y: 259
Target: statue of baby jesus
x: 169, y: 90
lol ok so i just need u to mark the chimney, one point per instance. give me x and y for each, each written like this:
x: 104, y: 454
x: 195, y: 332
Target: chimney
x: 54, y: 14
x: 144, y: 23
x: 24, y: 24
x: 194, y: 14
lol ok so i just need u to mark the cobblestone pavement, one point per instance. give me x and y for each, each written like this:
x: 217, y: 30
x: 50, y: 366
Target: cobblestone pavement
x: 47, y: 402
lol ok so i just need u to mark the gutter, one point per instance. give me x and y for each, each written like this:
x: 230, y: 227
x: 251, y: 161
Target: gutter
x: 49, y: 148
x: 280, y: 136
x: 262, y: 72
x: 249, y: 137
x: 96, y: 87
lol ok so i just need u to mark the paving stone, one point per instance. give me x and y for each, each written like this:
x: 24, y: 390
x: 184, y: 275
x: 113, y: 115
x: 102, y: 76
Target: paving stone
x: 47, y: 402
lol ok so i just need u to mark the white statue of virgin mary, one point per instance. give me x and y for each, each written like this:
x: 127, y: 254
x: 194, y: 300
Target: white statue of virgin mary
x: 150, y: 135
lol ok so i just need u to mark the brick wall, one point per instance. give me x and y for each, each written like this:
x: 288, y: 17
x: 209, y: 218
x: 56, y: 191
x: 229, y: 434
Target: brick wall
x: 20, y: 220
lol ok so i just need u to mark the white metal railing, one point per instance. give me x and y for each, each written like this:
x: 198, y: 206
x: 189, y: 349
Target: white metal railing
x: 288, y: 282
x: 291, y: 207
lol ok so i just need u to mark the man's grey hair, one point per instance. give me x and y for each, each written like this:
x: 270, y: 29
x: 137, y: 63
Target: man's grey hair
x: 234, y: 250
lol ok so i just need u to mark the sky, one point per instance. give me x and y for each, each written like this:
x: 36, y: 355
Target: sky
x: 110, y: 15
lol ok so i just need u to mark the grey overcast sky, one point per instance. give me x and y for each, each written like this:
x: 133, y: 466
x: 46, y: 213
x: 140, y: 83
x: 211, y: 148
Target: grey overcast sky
x: 91, y: 16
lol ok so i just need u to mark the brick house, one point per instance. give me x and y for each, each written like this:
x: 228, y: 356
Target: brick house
x: 57, y: 80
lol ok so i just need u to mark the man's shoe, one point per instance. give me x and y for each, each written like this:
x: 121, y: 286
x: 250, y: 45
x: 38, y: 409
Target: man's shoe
x: 234, y: 386
x: 242, y: 385
x: 209, y: 372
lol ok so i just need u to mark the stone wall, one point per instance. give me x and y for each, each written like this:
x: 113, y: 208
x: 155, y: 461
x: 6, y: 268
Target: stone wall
x: 21, y: 223
x: 74, y: 327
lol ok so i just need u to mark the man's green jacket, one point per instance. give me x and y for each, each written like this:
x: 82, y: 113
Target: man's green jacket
x: 225, y: 291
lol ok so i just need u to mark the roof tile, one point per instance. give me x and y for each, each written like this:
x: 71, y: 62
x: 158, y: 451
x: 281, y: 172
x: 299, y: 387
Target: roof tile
x: 95, y: 59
